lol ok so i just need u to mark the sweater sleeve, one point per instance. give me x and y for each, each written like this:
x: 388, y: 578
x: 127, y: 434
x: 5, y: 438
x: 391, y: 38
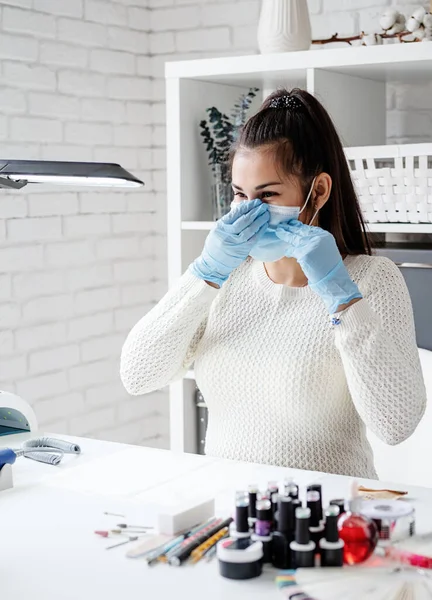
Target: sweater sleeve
x: 162, y: 345
x: 377, y: 344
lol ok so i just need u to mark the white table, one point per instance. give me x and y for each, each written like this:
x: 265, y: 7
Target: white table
x: 48, y: 549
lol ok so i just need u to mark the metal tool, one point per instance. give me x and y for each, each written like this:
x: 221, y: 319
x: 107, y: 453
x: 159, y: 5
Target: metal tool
x: 134, y: 527
x: 110, y: 532
x: 132, y: 538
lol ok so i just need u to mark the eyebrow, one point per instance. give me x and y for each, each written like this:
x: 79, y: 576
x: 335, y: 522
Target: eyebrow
x: 258, y: 187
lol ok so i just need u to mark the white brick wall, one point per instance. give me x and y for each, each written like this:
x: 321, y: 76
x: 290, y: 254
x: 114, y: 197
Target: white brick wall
x: 75, y: 85
x: 83, y: 80
x: 233, y: 31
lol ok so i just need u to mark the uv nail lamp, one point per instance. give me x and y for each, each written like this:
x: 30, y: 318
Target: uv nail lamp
x: 16, y: 417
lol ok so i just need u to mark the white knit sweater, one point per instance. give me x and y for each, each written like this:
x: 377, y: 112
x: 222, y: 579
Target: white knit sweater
x: 284, y: 386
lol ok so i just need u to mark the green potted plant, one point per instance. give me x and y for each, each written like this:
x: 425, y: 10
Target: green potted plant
x: 219, y: 133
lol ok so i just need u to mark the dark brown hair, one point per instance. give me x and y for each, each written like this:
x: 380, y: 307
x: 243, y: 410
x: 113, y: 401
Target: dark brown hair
x: 305, y: 143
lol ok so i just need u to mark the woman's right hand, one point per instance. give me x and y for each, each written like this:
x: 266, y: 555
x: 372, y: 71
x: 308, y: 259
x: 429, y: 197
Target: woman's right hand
x: 230, y: 241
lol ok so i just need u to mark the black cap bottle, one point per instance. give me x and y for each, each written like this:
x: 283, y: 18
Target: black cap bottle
x: 316, y: 526
x: 263, y: 525
x: 252, y: 491
x: 303, y: 549
x: 291, y: 488
x: 331, y: 546
x: 340, y: 502
x: 284, y: 535
x: 316, y: 487
x: 240, y: 527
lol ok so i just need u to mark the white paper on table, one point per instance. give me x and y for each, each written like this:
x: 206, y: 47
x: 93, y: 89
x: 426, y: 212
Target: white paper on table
x: 158, y: 480
x: 126, y: 473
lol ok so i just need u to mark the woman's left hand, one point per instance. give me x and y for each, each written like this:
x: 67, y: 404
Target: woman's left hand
x: 317, y: 253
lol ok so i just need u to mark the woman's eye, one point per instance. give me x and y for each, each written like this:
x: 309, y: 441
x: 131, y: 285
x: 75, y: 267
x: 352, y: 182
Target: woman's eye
x: 263, y: 195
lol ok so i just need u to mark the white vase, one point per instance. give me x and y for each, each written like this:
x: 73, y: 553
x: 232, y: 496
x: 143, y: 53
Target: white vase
x: 284, y: 26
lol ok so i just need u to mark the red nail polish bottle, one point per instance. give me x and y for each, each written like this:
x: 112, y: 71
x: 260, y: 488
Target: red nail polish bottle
x: 359, y: 534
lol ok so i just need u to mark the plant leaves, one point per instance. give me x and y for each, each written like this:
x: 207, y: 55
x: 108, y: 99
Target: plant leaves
x: 222, y: 130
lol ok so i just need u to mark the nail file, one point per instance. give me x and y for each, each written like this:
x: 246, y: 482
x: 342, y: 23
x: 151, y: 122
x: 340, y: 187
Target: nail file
x: 179, y: 519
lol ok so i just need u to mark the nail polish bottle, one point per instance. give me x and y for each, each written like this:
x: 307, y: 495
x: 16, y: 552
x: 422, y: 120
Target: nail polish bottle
x: 240, y: 527
x: 283, y: 536
x: 272, y: 488
x: 263, y: 526
x: 303, y: 549
x: 275, y: 505
x: 359, y: 534
x: 331, y: 545
x: 316, y: 526
x: 252, y: 492
x: 291, y: 489
x: 316, y: 487
x: 340, y: 502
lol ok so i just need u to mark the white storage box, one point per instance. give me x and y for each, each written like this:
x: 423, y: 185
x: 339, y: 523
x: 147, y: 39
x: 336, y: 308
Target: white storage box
x: 394, y: 183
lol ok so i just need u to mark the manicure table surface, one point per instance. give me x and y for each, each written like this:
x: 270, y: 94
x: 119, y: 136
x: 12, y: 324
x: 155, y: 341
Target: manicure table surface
x: 48, y: 548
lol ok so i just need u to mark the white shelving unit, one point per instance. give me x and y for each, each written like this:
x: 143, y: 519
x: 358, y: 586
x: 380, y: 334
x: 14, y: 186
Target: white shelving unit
x: 373, y: 227
x: 351, y: 83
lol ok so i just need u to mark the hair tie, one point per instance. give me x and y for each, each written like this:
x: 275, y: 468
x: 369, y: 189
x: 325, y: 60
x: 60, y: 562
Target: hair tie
x: 290, y: 102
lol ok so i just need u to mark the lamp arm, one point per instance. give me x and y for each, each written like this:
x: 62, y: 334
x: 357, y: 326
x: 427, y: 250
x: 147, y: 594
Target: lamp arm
x: 7, y: 183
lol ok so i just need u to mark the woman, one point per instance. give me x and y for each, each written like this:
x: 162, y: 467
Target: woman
x: 301, y: 340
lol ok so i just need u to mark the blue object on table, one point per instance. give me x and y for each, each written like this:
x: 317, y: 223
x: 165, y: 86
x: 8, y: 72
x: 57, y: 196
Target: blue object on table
x: 7, y: 457
x: 44, y: 449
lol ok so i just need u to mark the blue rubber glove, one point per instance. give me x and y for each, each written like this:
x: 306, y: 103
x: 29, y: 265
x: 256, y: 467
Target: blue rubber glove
x: 231, y: 241
x: 317, y: 253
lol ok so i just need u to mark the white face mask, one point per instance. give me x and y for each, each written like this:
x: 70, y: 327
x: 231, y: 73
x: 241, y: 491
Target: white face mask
x: 270, y: 248
x: 282, y: 214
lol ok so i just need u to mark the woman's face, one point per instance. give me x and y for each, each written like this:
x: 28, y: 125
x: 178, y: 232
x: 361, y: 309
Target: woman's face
x: 254, y: 175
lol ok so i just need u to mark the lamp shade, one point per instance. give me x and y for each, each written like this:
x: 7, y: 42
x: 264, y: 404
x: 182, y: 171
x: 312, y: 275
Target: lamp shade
x: 18, y: 173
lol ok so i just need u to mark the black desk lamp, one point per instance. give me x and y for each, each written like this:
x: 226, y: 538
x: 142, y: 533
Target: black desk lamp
x: 15, y: 174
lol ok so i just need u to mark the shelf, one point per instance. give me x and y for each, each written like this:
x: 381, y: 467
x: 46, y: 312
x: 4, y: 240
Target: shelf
x: 372, y: 227
x: 342, y: 76
x: 399, y: 227
x: 197, y: 225
x: 390, y: 61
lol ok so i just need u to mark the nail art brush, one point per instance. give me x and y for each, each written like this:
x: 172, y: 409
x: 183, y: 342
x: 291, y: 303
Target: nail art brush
x: 184, y: 552
x: 153, y: 556
x: 199, y: 552
x: 211, y: 552
x: 194, y: 532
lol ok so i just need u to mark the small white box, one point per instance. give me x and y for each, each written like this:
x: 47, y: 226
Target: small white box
x: 182, y: 518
